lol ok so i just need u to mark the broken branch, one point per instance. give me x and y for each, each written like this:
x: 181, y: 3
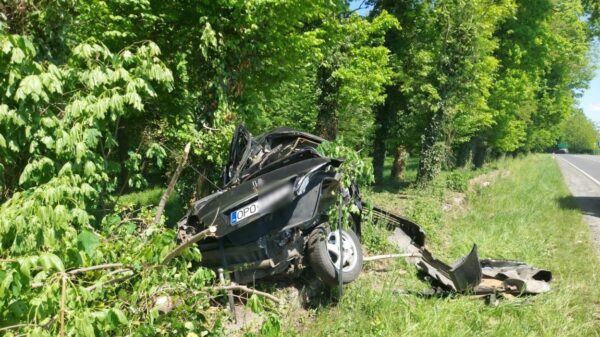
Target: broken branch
x: 248, y: 290
x: 16, y: 326
x: 63, y: 297
x: 388, y: 256
x: 171, y: 186
x: 210, y: 231
x: 115, y: 280
x: 97, y: 267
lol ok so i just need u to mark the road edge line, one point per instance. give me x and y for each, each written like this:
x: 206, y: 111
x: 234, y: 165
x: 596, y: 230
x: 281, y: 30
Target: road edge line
x: 580, y: 170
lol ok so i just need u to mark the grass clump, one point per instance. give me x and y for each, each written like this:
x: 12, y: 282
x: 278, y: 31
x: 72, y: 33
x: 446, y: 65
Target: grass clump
x: 520, y: 216
x: 458, y: 181
x: 174, y: 209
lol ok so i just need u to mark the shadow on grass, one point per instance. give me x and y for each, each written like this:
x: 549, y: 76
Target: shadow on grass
x: 391, y: 185
x: 587, y: 205
x: 395, y: 185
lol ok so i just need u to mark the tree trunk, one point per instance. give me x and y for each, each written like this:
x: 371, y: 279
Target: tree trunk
x: 432, y: 150
x: 379, y: 144
x: 399, y: 164
x: 480, y: 153
x: 464, y: 154
x: 327, y: 119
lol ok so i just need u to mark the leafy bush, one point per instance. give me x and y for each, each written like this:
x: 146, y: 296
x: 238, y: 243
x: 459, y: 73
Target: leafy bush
x: 354, y: 169
x: 58, y: 272
x: 458, y: 180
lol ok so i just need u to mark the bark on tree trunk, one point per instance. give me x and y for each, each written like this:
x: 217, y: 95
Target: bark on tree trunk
x: 480, y: 153
x: 399, y: 162
x: 327, y: 119
x: 464, y: 155
x: 432, y: 150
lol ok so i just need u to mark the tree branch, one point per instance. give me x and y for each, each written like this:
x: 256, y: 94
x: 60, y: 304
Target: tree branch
x: 109, y: 282
x: 98, y: 267
x: 16, y: 326
x: 388, y: 256
x: 210, y: 231
x: 238, y: 287
x: 63, y: 298
x: 171, y: 186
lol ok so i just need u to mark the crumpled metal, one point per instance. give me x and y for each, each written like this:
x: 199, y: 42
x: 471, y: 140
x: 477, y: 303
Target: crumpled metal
x: 469, y: 274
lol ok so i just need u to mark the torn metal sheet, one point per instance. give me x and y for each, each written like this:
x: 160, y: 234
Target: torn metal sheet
x: 468, y: 274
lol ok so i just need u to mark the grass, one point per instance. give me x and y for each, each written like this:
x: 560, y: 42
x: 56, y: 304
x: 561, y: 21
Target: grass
x: 174, y: 209
x: 520, y: 216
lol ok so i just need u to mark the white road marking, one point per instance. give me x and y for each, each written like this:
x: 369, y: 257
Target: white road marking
x: 582, y: 171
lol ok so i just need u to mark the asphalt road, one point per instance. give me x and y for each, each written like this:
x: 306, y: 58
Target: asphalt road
x: 582, y: 175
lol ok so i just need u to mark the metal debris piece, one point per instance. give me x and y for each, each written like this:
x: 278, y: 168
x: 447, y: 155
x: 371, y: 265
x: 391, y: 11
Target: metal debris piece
x: 468, y: 274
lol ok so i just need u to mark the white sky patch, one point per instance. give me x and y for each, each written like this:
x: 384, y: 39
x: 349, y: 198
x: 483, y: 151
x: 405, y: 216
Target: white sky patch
x: 593, y: 108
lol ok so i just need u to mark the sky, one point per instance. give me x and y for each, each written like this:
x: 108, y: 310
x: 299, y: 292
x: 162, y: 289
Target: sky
x: 590, y: 102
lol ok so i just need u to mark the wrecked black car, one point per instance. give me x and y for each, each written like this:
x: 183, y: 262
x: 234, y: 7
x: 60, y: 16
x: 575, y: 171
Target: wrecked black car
x: 271, y: 215
x: 271, y: 218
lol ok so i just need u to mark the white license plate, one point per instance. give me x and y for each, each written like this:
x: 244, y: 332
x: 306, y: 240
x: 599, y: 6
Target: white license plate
x: 244, y: 212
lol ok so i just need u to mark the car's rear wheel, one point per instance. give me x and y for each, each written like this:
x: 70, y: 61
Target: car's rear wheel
x: 325, y: 256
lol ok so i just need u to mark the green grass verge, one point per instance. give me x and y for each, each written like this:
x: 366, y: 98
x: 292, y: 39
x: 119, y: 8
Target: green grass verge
x: 174, y: 209
x: 523, y: 216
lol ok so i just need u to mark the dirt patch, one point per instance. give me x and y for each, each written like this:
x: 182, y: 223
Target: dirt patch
x: 486, y: 180
x: 245, y: 321
x: 299, y: 299
x: 453, y: 201
x: 456, y: 201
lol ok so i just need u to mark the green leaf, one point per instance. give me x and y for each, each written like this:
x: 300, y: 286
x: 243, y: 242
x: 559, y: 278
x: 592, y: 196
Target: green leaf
x: 255, y: 304
x: 30, y: 86
x: 119, y: 315
x: 88, y: 241
x: 84, y: 327
x: 49, y: 261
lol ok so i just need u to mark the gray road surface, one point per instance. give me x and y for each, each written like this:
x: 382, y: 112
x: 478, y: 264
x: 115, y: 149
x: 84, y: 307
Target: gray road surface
x: 582, y: 175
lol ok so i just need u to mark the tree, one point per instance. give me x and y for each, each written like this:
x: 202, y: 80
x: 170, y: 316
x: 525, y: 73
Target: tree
x: 579, y: 133
x: 351, y: 76
x: 543, y: 62
x: 447, y: 67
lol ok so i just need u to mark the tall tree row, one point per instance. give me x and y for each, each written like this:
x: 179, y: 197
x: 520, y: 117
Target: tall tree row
x: 481, y: 78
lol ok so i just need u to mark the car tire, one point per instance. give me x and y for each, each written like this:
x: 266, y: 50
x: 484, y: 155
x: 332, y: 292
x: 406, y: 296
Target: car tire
x: 321, y: 252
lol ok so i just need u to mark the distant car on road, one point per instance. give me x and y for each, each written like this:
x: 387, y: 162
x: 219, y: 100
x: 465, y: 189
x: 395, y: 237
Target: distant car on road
x: 562, y: 151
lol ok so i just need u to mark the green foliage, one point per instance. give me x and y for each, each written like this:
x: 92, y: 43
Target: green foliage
x: 500, y: 75
x: 579, y: 133
x: 354, y: 168
x: 458, y: 180
x: 56, y: 159
x: 543, y: 55
x: 509, y: 219
x: 353, y: 70
x: 99, y: 97
x: 31, y: 290
x: 375, y: 239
